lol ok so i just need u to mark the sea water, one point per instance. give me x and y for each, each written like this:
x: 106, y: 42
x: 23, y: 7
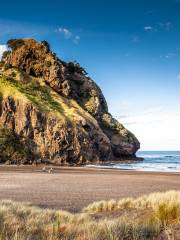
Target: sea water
x: 162, y: 161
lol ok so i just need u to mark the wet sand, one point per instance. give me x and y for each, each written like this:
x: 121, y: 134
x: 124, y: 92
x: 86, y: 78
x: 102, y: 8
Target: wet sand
x: 72, y: 188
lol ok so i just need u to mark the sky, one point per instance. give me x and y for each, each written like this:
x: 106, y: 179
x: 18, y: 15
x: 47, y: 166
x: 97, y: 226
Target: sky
x: 131, y: 48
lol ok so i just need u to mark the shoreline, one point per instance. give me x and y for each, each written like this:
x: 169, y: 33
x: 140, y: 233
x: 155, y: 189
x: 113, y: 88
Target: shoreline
x: 72, y: 188
x: 83, y: 168
x: 134, y: 170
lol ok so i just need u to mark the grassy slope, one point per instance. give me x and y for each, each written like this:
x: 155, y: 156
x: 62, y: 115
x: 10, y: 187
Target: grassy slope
x: 35, y: 91
x: 152, y: 215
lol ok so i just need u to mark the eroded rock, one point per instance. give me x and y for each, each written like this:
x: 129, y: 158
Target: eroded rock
x: 57, y: 111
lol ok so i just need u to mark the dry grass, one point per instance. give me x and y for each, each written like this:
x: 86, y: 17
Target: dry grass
x: 165, y: 205
x: 20, y: 222
x: 23, y: 221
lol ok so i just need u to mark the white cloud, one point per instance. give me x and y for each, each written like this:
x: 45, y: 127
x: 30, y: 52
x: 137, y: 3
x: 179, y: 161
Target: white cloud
x: 69, y: 35
x: 162, y: 26
x: 76, y: 39
x: 157, y: 129
x: 3, y: 48
x: 178, y: 76
x: 148, y: 28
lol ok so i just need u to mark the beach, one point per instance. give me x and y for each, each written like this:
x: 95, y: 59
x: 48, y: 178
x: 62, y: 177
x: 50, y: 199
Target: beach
x: 72, y: 188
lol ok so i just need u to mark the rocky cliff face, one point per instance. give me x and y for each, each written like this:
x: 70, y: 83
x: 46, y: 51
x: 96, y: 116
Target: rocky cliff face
x: 55, y: 111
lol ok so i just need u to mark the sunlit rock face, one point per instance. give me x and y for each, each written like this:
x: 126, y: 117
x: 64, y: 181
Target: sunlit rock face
x: 56, y: 111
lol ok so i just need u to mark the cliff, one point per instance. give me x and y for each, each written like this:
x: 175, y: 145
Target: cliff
x: 52, y: 111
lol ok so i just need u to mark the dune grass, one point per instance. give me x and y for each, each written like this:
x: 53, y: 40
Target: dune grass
x: 165, y: 206
x: 20, y: 221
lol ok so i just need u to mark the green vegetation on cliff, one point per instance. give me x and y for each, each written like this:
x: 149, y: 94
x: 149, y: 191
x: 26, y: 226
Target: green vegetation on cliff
x: 11, y: 147
x: 39, y: 94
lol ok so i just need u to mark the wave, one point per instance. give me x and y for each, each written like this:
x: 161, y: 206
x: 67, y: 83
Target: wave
x: 153, y: 162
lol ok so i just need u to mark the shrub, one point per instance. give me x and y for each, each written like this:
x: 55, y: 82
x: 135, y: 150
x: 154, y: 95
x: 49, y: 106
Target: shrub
x: 15, y: 43
x: 11, y: 148
x: 7, y: 66
x: 13, y: 74
x: 48, y: 63
x: 5, y: 54
x: 46, y: 44
x: 75, y: 67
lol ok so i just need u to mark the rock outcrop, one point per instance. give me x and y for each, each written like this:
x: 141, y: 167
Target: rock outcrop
x: 55, y: 110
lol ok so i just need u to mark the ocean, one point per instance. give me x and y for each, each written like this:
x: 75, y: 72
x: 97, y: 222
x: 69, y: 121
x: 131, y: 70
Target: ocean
x: 159, y: 161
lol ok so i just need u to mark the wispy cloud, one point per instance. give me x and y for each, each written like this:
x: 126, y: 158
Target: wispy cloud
x: 148, y: 28
x: 124, y: 104
x: 156, y: 128
x: 3, y: 48
x: 148, y: 116
x: 168, y: 55
x: 76, y: 39
x: 152, y: 110
x: 166, y: 25
x: 67, y: 34
x: 161, y: 26
x: 15, y: 28
x: 178, y: 76
x: 26, y: 30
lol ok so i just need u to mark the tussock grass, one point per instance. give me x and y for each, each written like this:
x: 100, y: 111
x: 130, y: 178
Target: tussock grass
x: 20, y: 221
x: 165, y: 205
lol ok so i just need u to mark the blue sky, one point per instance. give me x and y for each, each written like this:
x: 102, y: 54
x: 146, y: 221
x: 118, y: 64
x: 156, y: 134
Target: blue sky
x: 131, y: 48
